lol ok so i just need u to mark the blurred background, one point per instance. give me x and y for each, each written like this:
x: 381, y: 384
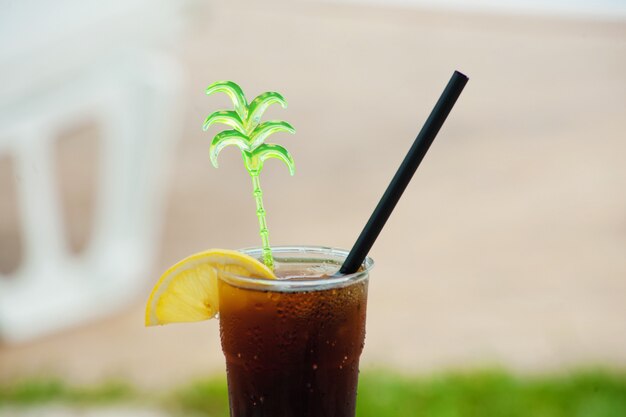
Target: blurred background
x: 507, y: 251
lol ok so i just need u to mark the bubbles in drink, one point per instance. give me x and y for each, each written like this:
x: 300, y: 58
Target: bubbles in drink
x: 306, y: 353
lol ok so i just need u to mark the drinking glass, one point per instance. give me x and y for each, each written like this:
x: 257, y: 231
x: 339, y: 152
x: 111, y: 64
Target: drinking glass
x: 292, y: 345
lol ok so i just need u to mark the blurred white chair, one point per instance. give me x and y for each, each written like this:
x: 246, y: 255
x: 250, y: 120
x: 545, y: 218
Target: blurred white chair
x: 83, y: 60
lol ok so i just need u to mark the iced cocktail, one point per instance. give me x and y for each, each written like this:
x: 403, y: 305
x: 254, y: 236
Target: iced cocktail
x: 292, y: 345
x: 292, y: 327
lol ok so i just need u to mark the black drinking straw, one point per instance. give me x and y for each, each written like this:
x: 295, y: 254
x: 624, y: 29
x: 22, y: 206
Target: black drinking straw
x: 404, y: 174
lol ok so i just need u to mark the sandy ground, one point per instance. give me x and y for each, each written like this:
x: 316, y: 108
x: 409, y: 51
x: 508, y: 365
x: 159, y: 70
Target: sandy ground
x: 509, y: 246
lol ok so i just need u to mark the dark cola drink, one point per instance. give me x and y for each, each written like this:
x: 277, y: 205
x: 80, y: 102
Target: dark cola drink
x: 292, y: 348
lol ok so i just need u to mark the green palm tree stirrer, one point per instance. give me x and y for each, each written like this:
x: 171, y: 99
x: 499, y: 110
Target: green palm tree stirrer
x: 249, y: 134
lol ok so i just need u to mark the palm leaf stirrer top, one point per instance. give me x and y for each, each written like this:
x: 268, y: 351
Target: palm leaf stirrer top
x: 249, y: 135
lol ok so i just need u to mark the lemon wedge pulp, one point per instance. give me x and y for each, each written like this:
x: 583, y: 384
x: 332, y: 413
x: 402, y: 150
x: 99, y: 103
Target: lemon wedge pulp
x: 187, y: 291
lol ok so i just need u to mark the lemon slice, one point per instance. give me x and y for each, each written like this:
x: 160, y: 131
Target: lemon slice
x: 187, y: 292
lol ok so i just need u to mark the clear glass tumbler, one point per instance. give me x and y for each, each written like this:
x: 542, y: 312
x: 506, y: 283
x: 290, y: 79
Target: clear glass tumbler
x: 292, y: 345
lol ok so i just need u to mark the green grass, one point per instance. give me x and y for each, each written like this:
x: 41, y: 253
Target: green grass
x: 38, y: 391
x: 383, y: 394
x: 207, y: 397
x: 493, y: 394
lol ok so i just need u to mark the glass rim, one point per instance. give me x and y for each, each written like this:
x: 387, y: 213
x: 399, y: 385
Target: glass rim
x: 312, y: 284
